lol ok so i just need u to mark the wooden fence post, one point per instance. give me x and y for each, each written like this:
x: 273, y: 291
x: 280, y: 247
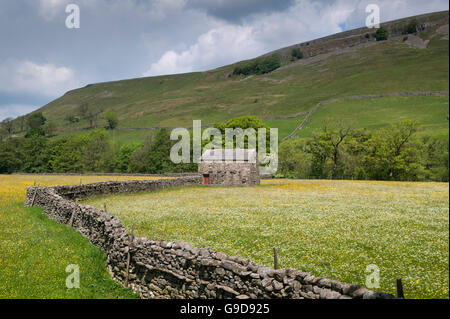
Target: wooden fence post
x: 275, y: 258
x: 34, y: 195
x: 70, y: 223
x: 400, y: 288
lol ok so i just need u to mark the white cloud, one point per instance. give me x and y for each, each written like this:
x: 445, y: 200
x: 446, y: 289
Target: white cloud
x: 217, y: 47
x: 229, y: 43
x: 260, y: 33
x: 33, y: 78
x: 50, y: 9
x: 154, y: 9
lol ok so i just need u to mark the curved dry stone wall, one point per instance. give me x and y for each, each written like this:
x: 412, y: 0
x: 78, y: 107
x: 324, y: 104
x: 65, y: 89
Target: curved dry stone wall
x: 159, y: 269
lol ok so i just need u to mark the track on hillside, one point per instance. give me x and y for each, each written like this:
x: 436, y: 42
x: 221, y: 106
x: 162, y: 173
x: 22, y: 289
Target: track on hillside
x: 356, y: 97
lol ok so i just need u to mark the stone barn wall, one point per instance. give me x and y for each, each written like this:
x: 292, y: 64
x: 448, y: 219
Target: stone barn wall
x: 161, y: 269
x: 231, y: 173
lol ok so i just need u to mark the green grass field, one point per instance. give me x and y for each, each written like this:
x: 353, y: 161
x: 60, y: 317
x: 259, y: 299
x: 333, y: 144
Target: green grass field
x: 332, y: 229
x: 430, y: 111
x: 35, y: 250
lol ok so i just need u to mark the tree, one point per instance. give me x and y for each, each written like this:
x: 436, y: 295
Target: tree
x: 97, y: 153
x: 92, y: 116
x: 3, y: 133
x: 71, y: 118
x: 11, y: 154
x: 158, y: 159
x: 244, y: 122
x: 82, y: 109
x: 49, y: 128
x: 328, y: 143
x: 435, y: 158
x: 112, y: 119
x: 259, y: 66
x: 37, y: 131
x: 21, y: 120
x: 66, y: 155
x: 8, y: 125
x: 297, y: 54
x: 393, y: 154
x: 123, y: 161
x: 138, y: 157
x: 36, y: 154
x: 412, y: 26
x: 295, y: 159
x: 36, y: 120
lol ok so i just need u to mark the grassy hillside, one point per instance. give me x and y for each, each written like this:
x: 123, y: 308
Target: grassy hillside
x: 371, y: 114
x: 330, y: 70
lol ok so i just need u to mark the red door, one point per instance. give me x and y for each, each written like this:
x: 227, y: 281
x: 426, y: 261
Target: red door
x: 205, y: 179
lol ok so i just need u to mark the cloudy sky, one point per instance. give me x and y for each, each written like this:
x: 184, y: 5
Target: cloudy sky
x: 41, y: 59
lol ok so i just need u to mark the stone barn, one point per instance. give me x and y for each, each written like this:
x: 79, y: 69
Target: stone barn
x: 229, y: 167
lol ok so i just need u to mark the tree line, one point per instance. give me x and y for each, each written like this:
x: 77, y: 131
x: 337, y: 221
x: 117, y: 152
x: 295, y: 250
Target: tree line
x: 339, y: 151
x: 336, y: 151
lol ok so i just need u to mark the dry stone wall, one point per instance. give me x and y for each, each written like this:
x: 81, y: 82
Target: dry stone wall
x: 160, y: 269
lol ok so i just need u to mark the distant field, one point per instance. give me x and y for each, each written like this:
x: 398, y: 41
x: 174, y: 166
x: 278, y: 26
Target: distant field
x: 374, y: 113
x: 35, y: 251
x: 332, y: 229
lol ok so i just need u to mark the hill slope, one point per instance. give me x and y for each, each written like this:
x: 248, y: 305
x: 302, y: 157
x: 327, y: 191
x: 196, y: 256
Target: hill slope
x: 341, y: 65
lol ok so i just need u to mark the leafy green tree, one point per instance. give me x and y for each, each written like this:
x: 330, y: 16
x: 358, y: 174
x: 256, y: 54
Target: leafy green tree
x: 381, y: 34
x: 3, y: 133
x: 66, y: 154
x: 123, y: 159
x: 297, y: 53
x: 436, y: 158
x: 83, y: 109
x: 259, y: 66
x: 158, y: 159
x: 7, y: 124
x: 36, y: 131
x: 49, y: 129
x: 412, y: 26
x: 328, y: 144
x: 72, y: 118
x: 36, y: 120
x: 295, y: 159
x: 36, y: 154
x: 12, y: 156
x: 112, y: 119
x: 97, y: 152
x: 138, y: 157
x: 393, y: 155
x: 244, y: 122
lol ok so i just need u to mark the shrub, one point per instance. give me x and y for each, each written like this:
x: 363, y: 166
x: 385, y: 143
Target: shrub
x: 259, y: 66
x: 37, y: 131
x: 412, y: 26
x: 112, y: 119
x: 36, y: 120
x: 381, y: 34
x: 296, y: 53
